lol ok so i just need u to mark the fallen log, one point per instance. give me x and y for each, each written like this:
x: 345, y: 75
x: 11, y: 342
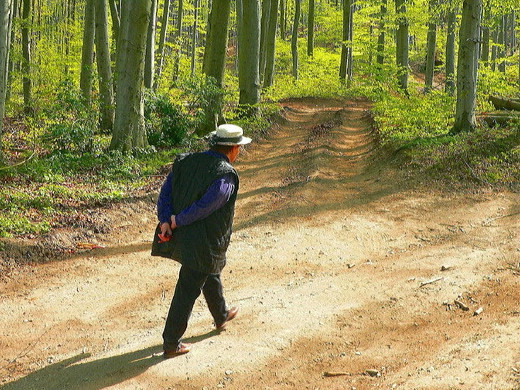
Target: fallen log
x: 504, y: 104
x: 498, y: 118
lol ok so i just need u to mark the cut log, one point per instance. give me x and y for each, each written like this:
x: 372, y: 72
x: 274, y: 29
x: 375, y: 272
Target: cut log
x: 498, y: 118
x: 504, y: 104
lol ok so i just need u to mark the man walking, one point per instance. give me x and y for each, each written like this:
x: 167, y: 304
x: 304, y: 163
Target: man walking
x: 196, y: 208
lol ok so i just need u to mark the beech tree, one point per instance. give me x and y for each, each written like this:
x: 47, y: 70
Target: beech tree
x: 106, y: 90
x: 402, y: 44
x: 270, y: 44
x: 346, y: 66
x: 450, y: 51
x: 249, y: 55
x: 178, y: 39
x: 310, y: 29
x: 467, y: 68
x: 294, y: 38
x: 215, y: 57
x: 149, y: 62
x: 5, y: 37
x: 165, y: 19
x: 26, y: 52
x: 129, y: 131
x: 382, y: 35
x: 87, y: 52
x: 431, y: 47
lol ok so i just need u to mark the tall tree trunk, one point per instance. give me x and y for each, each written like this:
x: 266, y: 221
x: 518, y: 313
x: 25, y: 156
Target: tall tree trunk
x: 294, y: 38
x: 129, y: 131
x: 178, y: 41
x: 310, y: 29
x: 149, y: 62
x: 283, y: 8
x: 467, y: 69
x: 104, y: 67
x: 266, y: 11
x: 494, y: 50
x: 450, y: 52
x: 215, y: 57
x: 116, y: 22
x: 501, y: 55
x: 165, y: 19
x: 346, y: 65
x: 26, y: 52
x: 431, y: 48
x: 14, y: 14
x: 6, y: 12
x: 195, y: 36
x: 87, y: 52
x: 381, y: 36
x: 485, y: 34
x: 402, y: 44
x: 270, y: 47
x: 249, y: 56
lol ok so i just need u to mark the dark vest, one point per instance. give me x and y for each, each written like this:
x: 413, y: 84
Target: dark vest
x: 202, y: 245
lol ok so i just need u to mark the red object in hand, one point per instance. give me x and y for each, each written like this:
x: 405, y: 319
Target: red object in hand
x: 163, y: 238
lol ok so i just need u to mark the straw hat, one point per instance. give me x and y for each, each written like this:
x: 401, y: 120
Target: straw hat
x: 229, y: 134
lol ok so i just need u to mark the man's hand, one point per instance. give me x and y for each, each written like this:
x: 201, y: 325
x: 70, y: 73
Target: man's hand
x: 166, y: 230
x: 173, y: 224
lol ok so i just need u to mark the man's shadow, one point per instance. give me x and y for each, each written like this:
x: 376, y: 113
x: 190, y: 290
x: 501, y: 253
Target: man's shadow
x: 97, y: 374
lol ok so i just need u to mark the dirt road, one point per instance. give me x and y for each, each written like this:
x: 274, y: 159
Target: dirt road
x: 347, y: 277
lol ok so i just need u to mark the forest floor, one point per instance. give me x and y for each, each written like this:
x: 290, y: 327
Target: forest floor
x: 349, y: 274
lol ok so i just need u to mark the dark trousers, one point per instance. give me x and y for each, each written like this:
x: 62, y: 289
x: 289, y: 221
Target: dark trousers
x: 188, y: 289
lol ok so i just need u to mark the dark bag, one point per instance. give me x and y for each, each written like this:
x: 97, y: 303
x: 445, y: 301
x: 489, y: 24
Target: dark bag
x: 165, y: 249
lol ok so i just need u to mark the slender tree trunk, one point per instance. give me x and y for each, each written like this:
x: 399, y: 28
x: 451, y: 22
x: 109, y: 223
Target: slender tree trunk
x: 106, y: 91
x: 450, y: 52
x: 249, y: 56
x: 346, y: 65
x: 494, y: 50
x: 26, y: 52
x: 162, y: 41
x: 402, y: 43
x: 485, y: 34
x: 294, y: 38
x: 178, y: 41
x: 283, y: 6
x: 6, y: 12
x: 381, y: 37
x: 266, y: 10
x: 501, y: 55
x: 215, y: 57
x: 195, y: 36
x: 14, y: 14
x: 467, y: 69
x: 116, y: 22
x: 87, y: 52
x: 149, y: 63
x: 270, y: 48
x: 310, y: 29
x: 129, y: 131
x: 431, y: 49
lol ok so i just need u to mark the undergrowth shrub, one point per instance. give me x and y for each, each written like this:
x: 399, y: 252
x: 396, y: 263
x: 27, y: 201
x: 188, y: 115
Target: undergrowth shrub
x: 166, y: 123
x: 401, y: 120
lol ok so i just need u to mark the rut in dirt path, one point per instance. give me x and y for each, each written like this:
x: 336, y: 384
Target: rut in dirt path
x: 317, y: 156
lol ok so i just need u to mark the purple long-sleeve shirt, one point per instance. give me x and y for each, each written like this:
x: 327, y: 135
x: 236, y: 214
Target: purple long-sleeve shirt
x: 216, y: 196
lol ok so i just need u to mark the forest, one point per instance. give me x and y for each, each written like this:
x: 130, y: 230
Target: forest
x: 97, y: 95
